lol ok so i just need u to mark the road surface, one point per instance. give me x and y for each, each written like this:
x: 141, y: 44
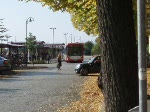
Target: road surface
x: 40, y: 90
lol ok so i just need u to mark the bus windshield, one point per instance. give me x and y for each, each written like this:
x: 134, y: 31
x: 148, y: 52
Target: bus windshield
x: 75, y: 51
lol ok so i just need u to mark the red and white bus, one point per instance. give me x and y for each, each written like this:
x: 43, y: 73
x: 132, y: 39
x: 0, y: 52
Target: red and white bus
x: 74, y: 52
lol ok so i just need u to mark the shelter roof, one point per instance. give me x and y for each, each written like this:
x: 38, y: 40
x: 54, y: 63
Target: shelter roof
x: 10, y: 45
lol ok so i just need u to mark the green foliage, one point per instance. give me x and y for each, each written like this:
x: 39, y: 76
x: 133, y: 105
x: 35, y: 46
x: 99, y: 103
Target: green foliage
x: 88, y: 47
x: 70, y: 1
x: 83, y: 13
x: 84, y: 17
x: 38, y: 62
x: 31, y: 43
x: 96, y: 50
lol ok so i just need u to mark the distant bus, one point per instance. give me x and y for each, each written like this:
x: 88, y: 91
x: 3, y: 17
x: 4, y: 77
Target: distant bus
x: 74, y: 52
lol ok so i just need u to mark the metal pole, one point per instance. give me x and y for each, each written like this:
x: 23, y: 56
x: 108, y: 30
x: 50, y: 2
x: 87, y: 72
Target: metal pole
x: 142, y: 56
x: 80, y: 39
x: 53, y: 43
x: 53, y: 35
x: 74, y: 39
x: 26, y: 44
x: 26, y: 29
x: 65, y: 37
x: 71, y: 38
x: 30, y: 19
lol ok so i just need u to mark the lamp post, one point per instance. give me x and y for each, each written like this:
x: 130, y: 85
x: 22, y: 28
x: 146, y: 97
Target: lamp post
x: 80, y: 39
x: 53, y: 42
x: 71, y: 38
x: 65, y: 37
x: 74, y: 39
x: 53, y: 33
x: 30, y: 19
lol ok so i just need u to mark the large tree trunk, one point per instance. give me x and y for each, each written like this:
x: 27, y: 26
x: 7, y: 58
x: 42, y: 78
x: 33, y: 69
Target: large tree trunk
x: 119, y: 76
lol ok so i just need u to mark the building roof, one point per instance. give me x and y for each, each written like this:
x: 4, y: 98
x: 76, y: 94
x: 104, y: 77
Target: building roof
x: 10, y: 45
x: 38, y: 42
x: 56, y: 45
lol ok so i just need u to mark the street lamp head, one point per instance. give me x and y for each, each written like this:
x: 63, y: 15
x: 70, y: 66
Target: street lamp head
x: 30, y: 19
x: 65, y: 34
x: 52, y: 28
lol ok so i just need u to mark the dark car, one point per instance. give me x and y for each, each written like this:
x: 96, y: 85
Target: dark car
x: 92, y: 66
x: 4, y: 64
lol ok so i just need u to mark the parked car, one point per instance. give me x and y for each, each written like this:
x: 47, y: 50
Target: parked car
x: 4, y: 64
x: 92, y: 66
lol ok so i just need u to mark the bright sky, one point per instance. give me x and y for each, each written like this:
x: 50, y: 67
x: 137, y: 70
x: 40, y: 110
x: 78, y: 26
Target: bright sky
x: 15, y: 14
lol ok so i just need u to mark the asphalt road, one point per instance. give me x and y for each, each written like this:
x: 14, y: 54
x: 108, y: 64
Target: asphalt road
x: 40, y: 90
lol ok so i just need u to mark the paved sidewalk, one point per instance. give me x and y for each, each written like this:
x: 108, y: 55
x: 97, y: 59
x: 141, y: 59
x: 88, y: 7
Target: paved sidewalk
x: 47, y: 64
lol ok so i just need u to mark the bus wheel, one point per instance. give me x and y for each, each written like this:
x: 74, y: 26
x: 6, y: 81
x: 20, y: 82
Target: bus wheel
x: 84, y: 71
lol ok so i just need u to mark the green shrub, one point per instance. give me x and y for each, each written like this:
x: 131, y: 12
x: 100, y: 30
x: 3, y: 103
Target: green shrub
x: 38, y: 62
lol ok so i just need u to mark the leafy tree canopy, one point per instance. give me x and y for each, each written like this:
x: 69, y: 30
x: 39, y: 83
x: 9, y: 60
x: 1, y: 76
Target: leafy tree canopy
x: 83, y: 13
x: 88, y: 47
x: 31, y: 42
x: 96, y: 50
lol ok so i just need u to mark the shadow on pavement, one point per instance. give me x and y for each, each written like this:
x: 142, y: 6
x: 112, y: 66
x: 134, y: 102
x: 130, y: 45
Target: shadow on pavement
x: 4, y: 91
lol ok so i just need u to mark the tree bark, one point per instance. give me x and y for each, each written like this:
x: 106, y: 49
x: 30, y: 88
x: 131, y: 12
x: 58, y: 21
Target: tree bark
x: 119, y: 71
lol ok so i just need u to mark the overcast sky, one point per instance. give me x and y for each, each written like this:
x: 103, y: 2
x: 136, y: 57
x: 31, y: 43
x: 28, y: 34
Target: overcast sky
x: 15, y: 14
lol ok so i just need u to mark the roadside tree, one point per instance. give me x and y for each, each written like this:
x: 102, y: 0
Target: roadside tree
x: 96, y: 50
x: 115, y: 25
x: 88, y: 47
x: 31, y: 44
x: 119, y: 78
x: 83, y: 13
